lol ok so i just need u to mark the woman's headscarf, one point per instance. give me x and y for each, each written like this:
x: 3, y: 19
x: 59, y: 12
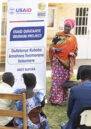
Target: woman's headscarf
x: 71, y: 22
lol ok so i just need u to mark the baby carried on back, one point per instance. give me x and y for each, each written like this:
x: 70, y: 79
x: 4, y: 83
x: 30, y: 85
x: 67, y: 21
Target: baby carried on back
x: 36, y: 119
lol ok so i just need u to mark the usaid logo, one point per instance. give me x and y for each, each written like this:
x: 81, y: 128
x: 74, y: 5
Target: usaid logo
x: 12, y: 10
x: 20, y: 10
x: 23, y: 10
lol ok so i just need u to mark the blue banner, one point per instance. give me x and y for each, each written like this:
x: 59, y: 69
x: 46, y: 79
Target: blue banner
x: 27, y: 33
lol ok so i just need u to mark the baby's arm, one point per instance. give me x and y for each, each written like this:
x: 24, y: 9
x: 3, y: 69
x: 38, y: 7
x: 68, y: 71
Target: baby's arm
x: 42, y: 125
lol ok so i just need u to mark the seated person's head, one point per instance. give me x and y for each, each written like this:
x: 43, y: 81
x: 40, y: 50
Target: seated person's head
x: 8, y: 78
x: 29, y: 80
x: 86, y: 74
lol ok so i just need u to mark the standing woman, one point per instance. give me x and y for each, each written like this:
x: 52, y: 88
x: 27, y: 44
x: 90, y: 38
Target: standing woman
x: 62, y: 53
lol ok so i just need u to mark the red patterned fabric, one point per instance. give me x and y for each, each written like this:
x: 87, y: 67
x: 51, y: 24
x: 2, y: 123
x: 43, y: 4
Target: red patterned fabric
x: 59, y: 75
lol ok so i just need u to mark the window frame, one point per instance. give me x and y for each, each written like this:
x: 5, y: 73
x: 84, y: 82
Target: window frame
x: 54, y: 17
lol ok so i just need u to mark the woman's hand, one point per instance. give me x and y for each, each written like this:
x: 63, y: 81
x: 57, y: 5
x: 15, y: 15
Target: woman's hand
x: 57, y: 50
x: 72, y: 54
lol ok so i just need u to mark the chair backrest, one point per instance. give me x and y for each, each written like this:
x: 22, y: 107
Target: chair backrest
x: 14, y: 113
x: 84, y: 118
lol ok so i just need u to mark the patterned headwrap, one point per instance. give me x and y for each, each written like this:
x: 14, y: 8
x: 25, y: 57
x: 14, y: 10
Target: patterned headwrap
x: 71, y: 22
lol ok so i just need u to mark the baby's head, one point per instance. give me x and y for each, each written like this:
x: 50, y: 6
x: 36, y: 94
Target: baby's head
x: 29, y: 80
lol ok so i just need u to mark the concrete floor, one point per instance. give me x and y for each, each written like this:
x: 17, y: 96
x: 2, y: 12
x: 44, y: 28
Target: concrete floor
x: 82, y: 62
x: 79, y: 62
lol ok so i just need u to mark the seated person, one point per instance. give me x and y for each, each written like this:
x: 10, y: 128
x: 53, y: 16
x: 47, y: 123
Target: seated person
x: 6, y: 87
x: 35, y: 118
x: 80, y: 97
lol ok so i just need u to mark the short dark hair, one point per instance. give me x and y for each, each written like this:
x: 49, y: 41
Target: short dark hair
x: 8, y: 78
x: 29, y: 79
x: 86, y: 74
